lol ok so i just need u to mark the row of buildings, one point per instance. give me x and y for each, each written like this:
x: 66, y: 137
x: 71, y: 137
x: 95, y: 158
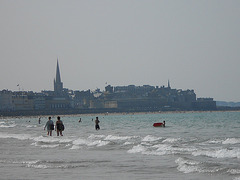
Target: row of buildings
x: 116, y: 99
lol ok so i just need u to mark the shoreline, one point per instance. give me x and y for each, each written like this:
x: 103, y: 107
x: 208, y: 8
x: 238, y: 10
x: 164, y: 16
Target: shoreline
x: 112, y: 113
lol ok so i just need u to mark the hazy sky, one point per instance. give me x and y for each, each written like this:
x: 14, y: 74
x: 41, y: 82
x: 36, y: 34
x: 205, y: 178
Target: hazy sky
x: 195, y: 44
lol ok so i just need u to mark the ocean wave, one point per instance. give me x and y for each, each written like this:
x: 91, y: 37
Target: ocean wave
x: 221, y: 153
x: 31, y: 126
x: 187, y: 166
x: 89, y: 142
x: 176, y: 149
x: 190, y: 166
x: 31, y: 164
x: 75, y: 147
x: 114, y: 138
x: 234, y: 171
x: 150, y: 148
x: 212, y: 141
x: 16, y: 136
x: 231, y: 141
x: 7, y: 126
x: 60, y: 164
x: 160, y: 150
x: 171, y: 140
x: 45, y: 146
x: 35, y: 164
x: 128, y: 143
x: 94, y: 136
x: 99, y: 143
x: 48, y: 139
x: 150, y: 138
x: 137, y: 149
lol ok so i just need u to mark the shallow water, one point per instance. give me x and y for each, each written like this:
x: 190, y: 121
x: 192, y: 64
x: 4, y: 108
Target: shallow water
x: 191, y: 146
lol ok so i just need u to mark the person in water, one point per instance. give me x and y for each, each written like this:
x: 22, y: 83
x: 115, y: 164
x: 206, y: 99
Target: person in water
x: 97, y: 124
x: 50, y: 126
x: 163, y: 125
x: 59, y: 126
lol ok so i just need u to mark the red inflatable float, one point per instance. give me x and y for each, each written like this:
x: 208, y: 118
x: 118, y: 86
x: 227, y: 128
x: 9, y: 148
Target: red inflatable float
x: 159, y: 124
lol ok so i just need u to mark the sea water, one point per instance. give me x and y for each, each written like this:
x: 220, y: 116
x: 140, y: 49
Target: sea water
x: 193, y: 145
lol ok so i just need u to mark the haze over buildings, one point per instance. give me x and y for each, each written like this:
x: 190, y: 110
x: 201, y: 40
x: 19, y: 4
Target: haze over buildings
x: 129, y: 98
x: 194, y: 44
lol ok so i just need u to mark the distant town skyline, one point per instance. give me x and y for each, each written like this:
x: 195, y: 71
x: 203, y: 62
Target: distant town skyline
x: 194, y: 44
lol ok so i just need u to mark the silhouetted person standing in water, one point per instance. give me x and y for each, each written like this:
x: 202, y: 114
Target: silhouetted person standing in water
x: 97, y: 124
x: 163, y: 124
x: 59, y: 126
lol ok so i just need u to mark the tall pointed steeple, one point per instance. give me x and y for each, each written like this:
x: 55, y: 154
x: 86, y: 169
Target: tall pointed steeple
x: 58, y: 85
x: 58, y: 78
x: 169, y: 84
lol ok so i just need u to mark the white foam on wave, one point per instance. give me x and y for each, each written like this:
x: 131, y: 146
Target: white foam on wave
x: 149, y: 150
x: 48, y: 139
x: 160, y: 151
x: 191, y: 166
x: 171, y: 140
x: 27, y: 162
x: 80, y: 141
x: 45, y: 146
x: 168, y: 149
x: 75, y: 147
x: 38, y: 166
x: 150, y: 138
x: 65, y: 140
x: 32, y: 164
x: 236, y: 178
x: 221, y: 153
x: 214, y: 141
x: 94, y: 136
x: 50, y: 146
x: 137, y: 149
x: 89, y: 142
x: 114, y: 138
x: 7, y: 126
x: 15, y: 136
x: 99, y: 143
x: 31, y: 126
x: 234, y: 171
x: 128, y: 143
x: 231, y: 141
x: 35, y: 164
x: 187, y: 166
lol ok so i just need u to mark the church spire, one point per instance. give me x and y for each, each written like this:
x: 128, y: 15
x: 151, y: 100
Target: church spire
x: 169, y: 84
x: 58, y: 78
x: 58, y: 85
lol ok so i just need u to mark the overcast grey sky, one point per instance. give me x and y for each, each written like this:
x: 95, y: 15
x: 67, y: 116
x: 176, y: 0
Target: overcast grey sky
x: 194, y: 44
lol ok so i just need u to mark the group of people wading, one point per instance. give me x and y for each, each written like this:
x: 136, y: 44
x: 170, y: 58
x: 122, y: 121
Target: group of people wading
x: 59, y: 127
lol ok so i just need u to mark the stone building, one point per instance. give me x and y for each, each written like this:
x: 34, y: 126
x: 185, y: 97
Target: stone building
x: 6, y: 101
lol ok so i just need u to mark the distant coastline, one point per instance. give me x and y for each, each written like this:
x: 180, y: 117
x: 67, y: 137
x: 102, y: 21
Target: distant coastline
x: 105, y: 113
